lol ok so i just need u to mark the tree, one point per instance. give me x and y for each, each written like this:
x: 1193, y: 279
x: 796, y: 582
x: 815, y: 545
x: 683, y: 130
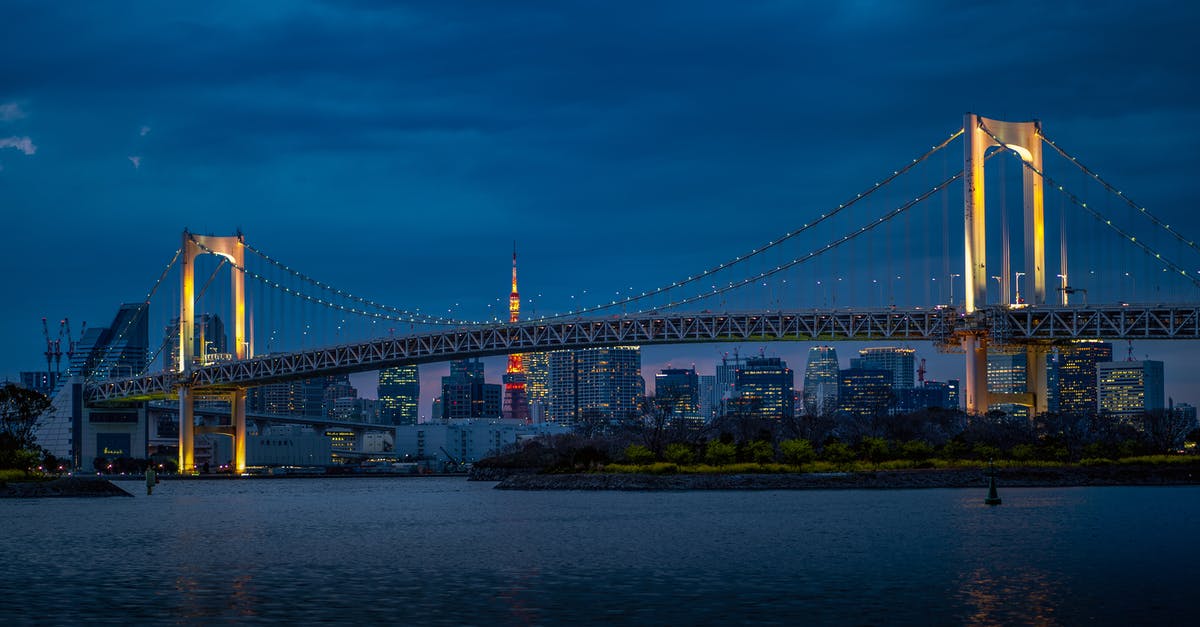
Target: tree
x: 679, y: 453
x: 19, y: 412
x: 719, y: 453
x: 798, y: 451
x: 758, y: 451
x: 1164, y: 429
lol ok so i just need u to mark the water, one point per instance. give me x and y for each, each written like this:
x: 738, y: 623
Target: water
x: 448, y: 551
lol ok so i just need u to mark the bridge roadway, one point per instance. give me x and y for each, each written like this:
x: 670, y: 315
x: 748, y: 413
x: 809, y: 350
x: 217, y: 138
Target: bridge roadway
x: 999, y: 325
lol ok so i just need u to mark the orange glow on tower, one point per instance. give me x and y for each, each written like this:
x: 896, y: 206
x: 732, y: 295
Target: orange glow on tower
x: 516, y: 402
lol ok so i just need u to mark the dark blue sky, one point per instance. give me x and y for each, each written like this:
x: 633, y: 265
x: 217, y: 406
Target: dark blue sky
x: 398, y: 151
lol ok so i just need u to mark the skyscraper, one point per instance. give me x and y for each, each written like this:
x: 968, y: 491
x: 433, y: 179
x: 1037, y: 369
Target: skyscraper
x: 865, y: 391
x: 1006, y: 375
x: 1127, y: 389
x: 765, y: 388
x: 821, y: 376
x: 897, y: 361
x: 708, y: 396
x: 726, y: 381
x: 516, y: 403
x: 399, y: 393
x: 465, y: 394
x: 118, y: 350
x: 1076, y: 373
x: 595, y: 384
x: 210, y: 343
x: 677, y: 390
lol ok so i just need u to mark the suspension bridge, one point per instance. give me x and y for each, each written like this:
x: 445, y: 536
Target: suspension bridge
x: 877, y: 248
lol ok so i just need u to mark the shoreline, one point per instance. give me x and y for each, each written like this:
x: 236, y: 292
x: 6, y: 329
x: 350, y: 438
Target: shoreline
x: 1148, y: 475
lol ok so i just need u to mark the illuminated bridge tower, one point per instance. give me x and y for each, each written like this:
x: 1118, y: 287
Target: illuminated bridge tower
x: 232, y: 248
x: 980, y: 134
x: 516, y: 402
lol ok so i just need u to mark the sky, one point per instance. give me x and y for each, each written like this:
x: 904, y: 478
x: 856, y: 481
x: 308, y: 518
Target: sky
x: 398, y: 151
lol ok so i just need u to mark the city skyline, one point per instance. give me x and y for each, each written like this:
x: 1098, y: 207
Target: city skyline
x: 650, y: 146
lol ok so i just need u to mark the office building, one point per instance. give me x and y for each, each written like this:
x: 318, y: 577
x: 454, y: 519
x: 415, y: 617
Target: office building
x: 821, y: 380
x: 899, y: 362
x: 304, y: 397
x: 399, y: 393
x: 1075, y: 373
x: 708, y: 397
x: 865, y: 391
x: 677, y: 391
x: 595, y: 384
x: 1128, y: 389
x: 465, y: 394
x: 210, y: 343
x: 765, y: 387
x: 1006, y: 375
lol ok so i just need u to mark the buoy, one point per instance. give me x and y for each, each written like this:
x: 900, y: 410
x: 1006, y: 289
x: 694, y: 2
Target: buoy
x: 992, y: 497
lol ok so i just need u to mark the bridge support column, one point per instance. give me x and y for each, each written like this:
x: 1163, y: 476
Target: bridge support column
x: 187, y: 425
x: 237, y: 414
x: 975, y: 385
x: 1035, y: 379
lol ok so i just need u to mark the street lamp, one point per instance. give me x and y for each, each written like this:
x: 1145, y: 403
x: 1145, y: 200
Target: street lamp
x: 952, y: 277
x: 1017, y: 280
x: 1000, y: 284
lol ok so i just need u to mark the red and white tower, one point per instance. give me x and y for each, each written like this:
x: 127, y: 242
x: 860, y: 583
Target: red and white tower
x: 516, y: 402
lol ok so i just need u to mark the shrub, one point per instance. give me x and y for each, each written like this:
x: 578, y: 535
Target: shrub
x: 638, y: 454
x: 679, y: 454
x: 916, y: 450
x: 719, y: 453
x: 1023, y: 452
x: 798, y: 451
x: 759, y: 452
x: 875, y: 450
x: 837, y: 453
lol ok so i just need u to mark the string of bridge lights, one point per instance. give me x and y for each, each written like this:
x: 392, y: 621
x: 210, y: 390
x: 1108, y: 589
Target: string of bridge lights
x: 134, y: 318
x: 338, y: 306
x: 406, y: 316
x: 1127, y: 200
x: 1095, y: 214
x: 769, y: 245
x: 824, y: 249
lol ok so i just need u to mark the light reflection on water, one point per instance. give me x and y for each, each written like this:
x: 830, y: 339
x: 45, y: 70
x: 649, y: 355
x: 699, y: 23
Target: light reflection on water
x: 446, y: 551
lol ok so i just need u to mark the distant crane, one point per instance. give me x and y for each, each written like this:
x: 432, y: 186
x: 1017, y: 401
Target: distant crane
x: 53, y: 349
x: 72, y: 343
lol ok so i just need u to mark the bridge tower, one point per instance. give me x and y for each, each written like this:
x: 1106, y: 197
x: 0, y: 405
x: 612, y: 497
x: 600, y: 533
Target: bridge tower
x: 232, y: 248
x: 979, y: 135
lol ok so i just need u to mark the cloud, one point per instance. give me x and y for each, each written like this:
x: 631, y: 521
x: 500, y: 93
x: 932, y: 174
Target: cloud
x: 24, y: 144
x: 10, y: 111
x: 136, y: 160
x: 145, y: 130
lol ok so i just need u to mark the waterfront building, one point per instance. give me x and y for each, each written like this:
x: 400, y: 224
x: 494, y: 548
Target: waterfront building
x: 465, y: 393
x: 595, y: 384
x: 1128, y: 389
x: 899, y: 362
x: 821, y: 380
x: 677, y: 390
x: 1006, y: 375
x: 765, y: 387
x: 865, y: 391
x: 1075, y: 374
x: 709, y: 402
x: 465, y: 441
x: 399, y: 393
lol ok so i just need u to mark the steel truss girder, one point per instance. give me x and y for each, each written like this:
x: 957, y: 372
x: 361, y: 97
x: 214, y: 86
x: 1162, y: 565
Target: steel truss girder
x: 1001, y: 325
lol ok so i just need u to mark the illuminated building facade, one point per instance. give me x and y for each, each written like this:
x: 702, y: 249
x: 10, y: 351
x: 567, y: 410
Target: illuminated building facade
x: 210, y: 343
x: 516, y: 403
x: 897, y: 361
x: 765, y: 388
x: 1006, y: 374
x: 399, y: 394
x: 304, y: 397
x: 821, y: 380
x: 465, y: 394
x: 1127, y: 389
x: 865, y: 391
x: 678, y: 391
x: 1075, y: 372
x: 595, y: 384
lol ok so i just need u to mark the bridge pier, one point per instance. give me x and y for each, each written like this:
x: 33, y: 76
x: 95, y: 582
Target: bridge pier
x: 976, y: 388
x: 237, y: 415
x: 187, y: 426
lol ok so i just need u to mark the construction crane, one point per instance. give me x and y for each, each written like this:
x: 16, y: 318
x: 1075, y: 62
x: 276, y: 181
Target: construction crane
x: 53, y: 349
x: 72, y: 343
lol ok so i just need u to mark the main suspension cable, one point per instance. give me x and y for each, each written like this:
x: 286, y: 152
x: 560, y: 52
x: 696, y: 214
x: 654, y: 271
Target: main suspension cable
x: 134, y: 318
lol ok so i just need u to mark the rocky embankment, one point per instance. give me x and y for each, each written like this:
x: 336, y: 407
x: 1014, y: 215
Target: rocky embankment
x: 61, y: 487
x: 896, y: 479
x: 485, y: 473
